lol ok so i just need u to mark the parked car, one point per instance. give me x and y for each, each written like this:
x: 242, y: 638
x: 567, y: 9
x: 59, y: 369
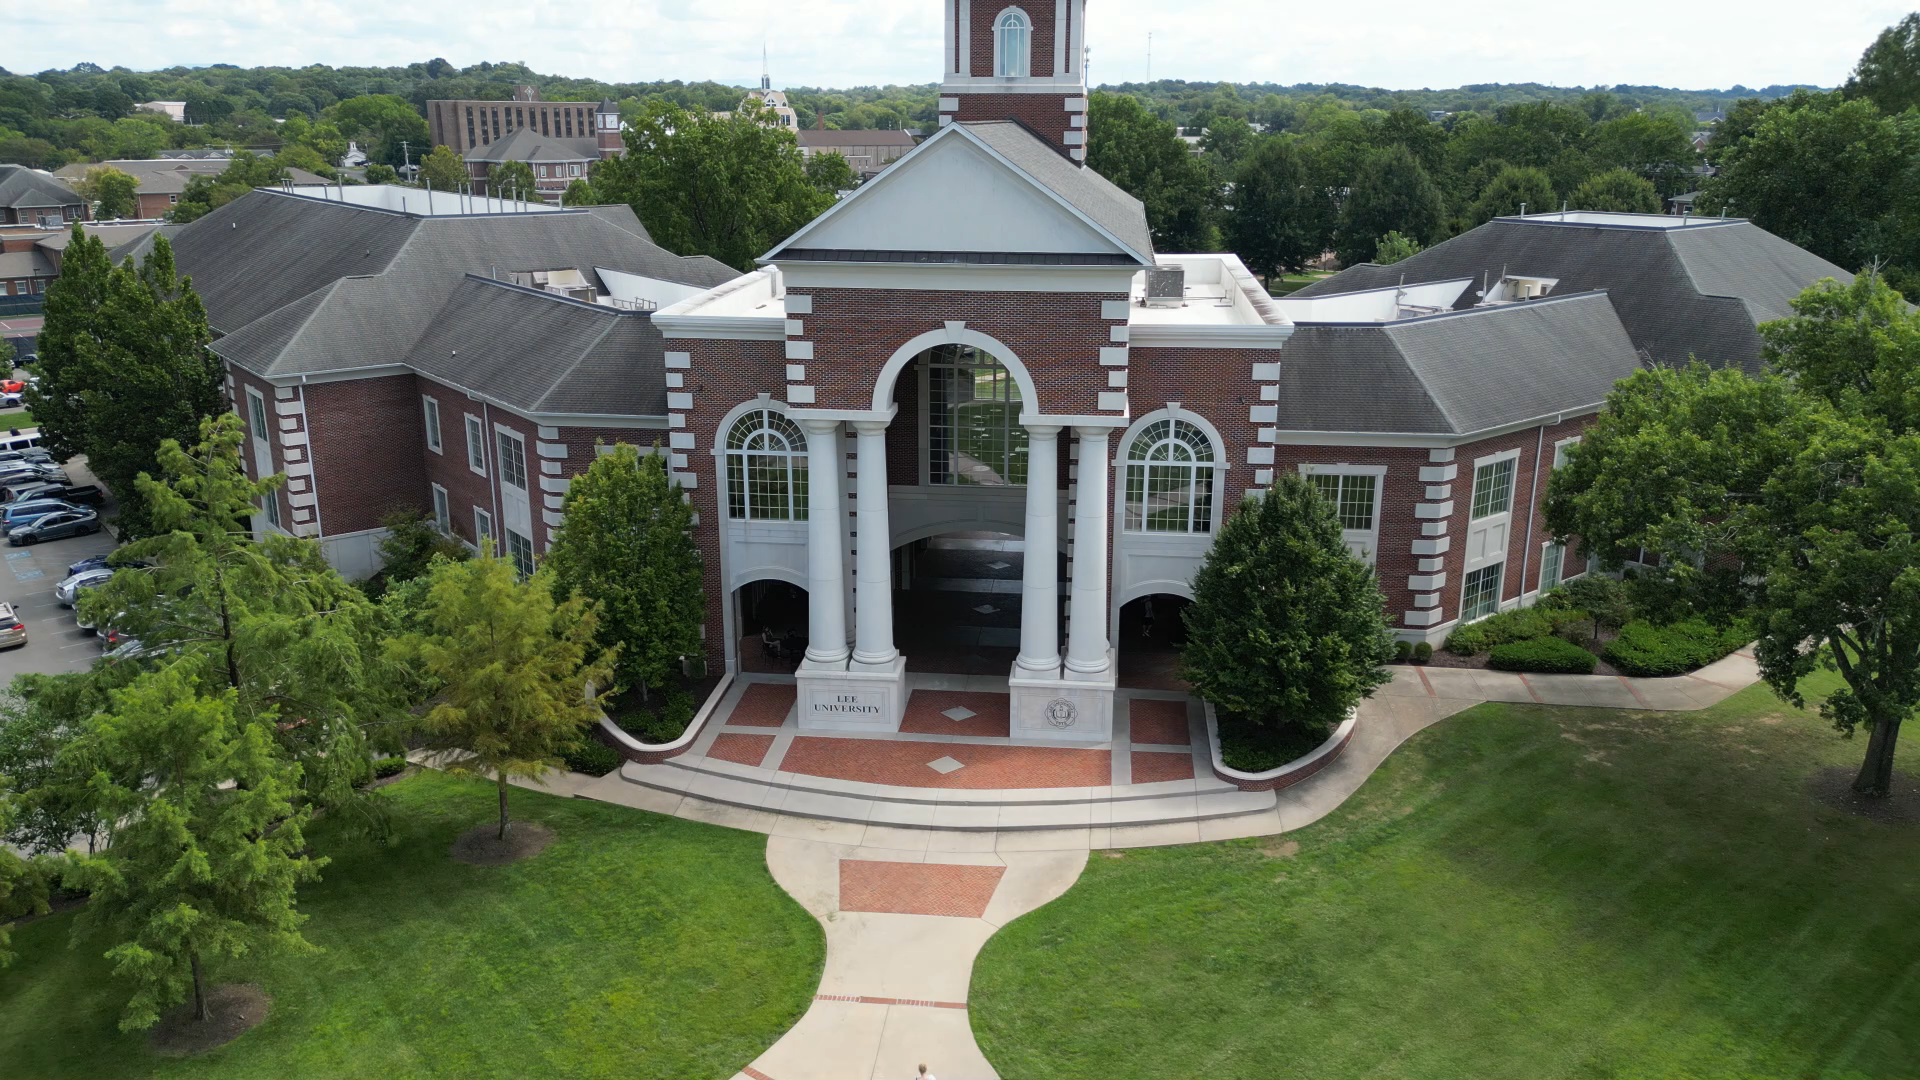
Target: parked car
x: 9, y: 400
x: 77, y: 493
x: 55, y: 527
x: 67, y: 593
x: 19, y: 513
x: 15, y: 472
x: 12, y: 630
x: 13, y: 386
x: 16, y: 439
x: 27, y: 453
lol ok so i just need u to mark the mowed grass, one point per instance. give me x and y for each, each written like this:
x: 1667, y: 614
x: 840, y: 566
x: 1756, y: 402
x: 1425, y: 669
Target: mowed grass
x: 635, y: 946
x: 1520, y: 891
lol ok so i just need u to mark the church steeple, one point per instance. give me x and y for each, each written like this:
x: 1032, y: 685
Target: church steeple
x: 1018, y: 60
x: 766, y: 80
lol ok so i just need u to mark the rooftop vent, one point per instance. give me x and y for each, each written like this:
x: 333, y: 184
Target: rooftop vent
x: 1166, y: 286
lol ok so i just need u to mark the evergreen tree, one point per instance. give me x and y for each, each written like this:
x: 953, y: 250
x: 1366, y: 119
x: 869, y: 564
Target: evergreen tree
x: 1392, y: 194
x: 267, y: 619
x: 515, y: 669
x: 209, y: 847
x: 1286, y: 626
x: 124, y: 366
x: 626, y: 544
x: 1281, y: 218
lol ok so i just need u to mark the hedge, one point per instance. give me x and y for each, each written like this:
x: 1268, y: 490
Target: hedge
x: 1645, y: 649
x: 1519, y: 624
x: 1543, y: 654
x: 592, y: 757
x: 389, y: 766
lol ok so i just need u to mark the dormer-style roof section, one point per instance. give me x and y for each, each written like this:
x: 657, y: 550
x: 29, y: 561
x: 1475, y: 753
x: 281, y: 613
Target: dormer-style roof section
x: 29, y: 189
x: 1684, y: 287
x: 987, y: 192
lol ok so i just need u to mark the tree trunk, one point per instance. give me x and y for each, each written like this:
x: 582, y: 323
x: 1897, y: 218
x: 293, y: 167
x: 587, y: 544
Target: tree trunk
x: 199, y: 988
x: 502, y: 776
x: 1876, y: 773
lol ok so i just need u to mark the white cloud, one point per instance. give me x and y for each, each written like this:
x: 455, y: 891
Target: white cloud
x: 1392, y: 43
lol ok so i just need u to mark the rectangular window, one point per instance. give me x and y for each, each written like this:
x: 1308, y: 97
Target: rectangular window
x: 543, y: 172
x: 573, y: 170
x: 1551, y: 555
x: 543, y: 123
x: 470, y: 137
x: 430, y: 410
x: 257, y: 415
x: 483, y: 531
x: 1351, y: 496
x: 1493, y: 488
x: 513, y: 461
x: 270, y: 504
x: 1480, y: 596
x: 476, y: 445
x: 442, y: 512
x: 520, y: 550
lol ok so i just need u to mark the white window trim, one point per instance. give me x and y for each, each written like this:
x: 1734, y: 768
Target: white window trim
x: 484, y: 539
x: 999, y: 64
x: 1123, y: 462
x: 430, y: 417
x: 1499, y: 591
x: 442, y: 508
x: 475, y: 424
x: 500, y: 429
x: 1371, y: 537
x: 1560, y: 450
x: 1513, y: 482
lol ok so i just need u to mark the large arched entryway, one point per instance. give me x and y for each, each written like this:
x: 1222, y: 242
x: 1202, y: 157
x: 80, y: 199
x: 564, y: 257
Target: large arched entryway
x: 957, y: 601
x: 1153, y: 630
x: 771, y: 617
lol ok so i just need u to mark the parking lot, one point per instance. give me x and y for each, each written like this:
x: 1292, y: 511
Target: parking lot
x: 55, y: 643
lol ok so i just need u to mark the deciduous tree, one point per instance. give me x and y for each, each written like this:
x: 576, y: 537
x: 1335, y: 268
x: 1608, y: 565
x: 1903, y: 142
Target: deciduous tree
x: 442, y: 170
x: 209, y: 848
x: 1515, y: 191
x: 579, y: 193
x: 1281, y: 217
x: 626, y: 544
x: 1618, y: 191
x: 1889, y: 71
x: 1394, y: 247
x: 1392, y: 194
x: 113, y: 193
x: 515, y: 668
x: 829, y: 173
x: 727, y: 187
x: 1144, y: 156
x: 512, y: 180
x: 1286, y: 626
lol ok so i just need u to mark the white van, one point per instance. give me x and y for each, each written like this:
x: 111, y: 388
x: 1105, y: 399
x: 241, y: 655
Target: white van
x: 18, y: 439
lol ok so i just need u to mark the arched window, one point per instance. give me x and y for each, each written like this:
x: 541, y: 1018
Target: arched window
x: 766, y: 468
x: 1170, y: 479
x: 1012, y: 35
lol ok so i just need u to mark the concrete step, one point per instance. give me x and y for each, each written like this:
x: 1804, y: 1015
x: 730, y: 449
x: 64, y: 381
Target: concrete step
x: 954, y: 809
x: 1203, y: 783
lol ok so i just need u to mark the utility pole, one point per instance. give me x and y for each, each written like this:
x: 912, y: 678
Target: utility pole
x: 406, y: 160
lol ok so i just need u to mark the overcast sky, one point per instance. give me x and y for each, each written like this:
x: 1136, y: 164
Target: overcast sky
x: 1400, y: 44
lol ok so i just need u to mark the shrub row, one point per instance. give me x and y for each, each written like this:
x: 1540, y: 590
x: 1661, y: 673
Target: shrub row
x: 1519, y: 624
x: 1543, y: 654
x: 592, y: 757
x: 1645, y: 649
x: 389, y: 766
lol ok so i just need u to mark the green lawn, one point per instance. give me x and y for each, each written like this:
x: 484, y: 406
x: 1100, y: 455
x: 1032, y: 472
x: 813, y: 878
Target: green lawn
x: 1520, y: 891
x: 635, y: 946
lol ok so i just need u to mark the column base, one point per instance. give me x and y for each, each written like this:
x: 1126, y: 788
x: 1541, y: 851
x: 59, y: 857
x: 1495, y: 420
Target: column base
x: 862, y: 699
x: 1074, y: 709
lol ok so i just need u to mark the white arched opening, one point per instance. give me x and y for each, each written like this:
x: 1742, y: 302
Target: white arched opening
x: 1147, y: 563
x: 1012, y: 44
x: 953, y: 334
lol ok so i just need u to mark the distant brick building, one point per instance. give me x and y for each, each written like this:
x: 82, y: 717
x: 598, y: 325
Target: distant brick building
x: 466, y: 126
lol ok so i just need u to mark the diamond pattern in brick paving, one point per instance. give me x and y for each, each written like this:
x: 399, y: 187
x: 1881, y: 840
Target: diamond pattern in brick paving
x: 932, y: 712
x: 741, y: 749
x: 904, y: 764
x: 961, y: 892
x: 764, y: 705
x: 1149, y: 768
x: 1157, y: 723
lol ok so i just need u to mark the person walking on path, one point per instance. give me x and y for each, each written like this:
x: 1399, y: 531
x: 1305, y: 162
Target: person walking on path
x: 924, y: 1074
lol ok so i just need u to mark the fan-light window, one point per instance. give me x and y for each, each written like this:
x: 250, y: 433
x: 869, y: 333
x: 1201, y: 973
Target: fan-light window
x: 1170, y: 479
x: 766, y: 468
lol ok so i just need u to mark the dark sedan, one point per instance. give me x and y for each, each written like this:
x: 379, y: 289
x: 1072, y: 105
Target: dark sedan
x: 55, y: 527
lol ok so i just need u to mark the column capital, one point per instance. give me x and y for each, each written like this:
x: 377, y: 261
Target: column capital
x: 871, y: 427
x: 1096, y: 431
x: 816, y: 426
x: 1042, y: 431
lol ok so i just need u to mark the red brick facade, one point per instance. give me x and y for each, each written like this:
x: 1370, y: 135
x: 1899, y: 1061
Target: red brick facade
x: 367, y: 445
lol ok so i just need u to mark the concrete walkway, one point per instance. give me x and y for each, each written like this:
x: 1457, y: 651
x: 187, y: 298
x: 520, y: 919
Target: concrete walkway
x: 894, y: 993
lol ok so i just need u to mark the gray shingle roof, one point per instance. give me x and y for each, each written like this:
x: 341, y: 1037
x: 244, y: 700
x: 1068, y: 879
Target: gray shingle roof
x: 1092, y: 194
x: 540, y: 353
x: 22, y: 187
x: 1697, y: 291
x: 1456, y: 373
x: 267, y: 250
x: 527, y: 144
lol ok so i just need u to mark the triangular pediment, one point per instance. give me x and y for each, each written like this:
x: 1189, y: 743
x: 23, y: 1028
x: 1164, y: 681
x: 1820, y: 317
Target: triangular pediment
x: 953, y: 193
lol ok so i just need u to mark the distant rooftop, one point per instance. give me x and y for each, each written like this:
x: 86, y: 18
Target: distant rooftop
x: 1605, y: 220
x: 416, y: 202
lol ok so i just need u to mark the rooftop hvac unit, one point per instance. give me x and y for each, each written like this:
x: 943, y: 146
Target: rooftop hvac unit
x: 1166, y: 286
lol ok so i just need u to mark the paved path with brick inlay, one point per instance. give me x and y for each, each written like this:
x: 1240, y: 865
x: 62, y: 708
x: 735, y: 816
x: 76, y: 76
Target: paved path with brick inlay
x: 1162, y: 723
x: 741, y: 749
x: 1151, y: 767
x: 764, y: 705
x: 957, y: 712
x: 912, y: 764
x: 917, y: 888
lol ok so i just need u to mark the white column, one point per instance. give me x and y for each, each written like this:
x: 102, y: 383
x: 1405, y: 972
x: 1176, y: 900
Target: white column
x: 826, y: 587
x: 1087, y: 634
x: 873, y: 600
x: 1040, y: 579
